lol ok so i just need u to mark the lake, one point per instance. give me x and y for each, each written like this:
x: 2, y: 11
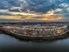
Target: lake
x: 8, y: 42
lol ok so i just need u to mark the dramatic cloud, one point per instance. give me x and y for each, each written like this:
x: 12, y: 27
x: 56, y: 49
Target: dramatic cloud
x: 64, y: 5
x: 41, y: 6
x: 3, y: 10
x: 49, y: 10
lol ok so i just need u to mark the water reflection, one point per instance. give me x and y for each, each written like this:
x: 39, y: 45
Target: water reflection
x: 9, y: 41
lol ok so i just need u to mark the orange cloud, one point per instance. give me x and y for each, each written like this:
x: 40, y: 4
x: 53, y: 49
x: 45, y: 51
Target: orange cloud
x: 53, y: 19
x: 45, y: 18
x: 30, y: 18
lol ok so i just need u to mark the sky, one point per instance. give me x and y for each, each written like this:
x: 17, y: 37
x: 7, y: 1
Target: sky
x: 47, y: 10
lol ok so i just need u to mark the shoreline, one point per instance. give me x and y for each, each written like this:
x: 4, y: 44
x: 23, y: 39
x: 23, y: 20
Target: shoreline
x: 43, y: 31
x: 35, y: 38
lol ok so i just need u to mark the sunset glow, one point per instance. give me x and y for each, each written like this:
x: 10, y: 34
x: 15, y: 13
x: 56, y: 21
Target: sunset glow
x: 43, y: 18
